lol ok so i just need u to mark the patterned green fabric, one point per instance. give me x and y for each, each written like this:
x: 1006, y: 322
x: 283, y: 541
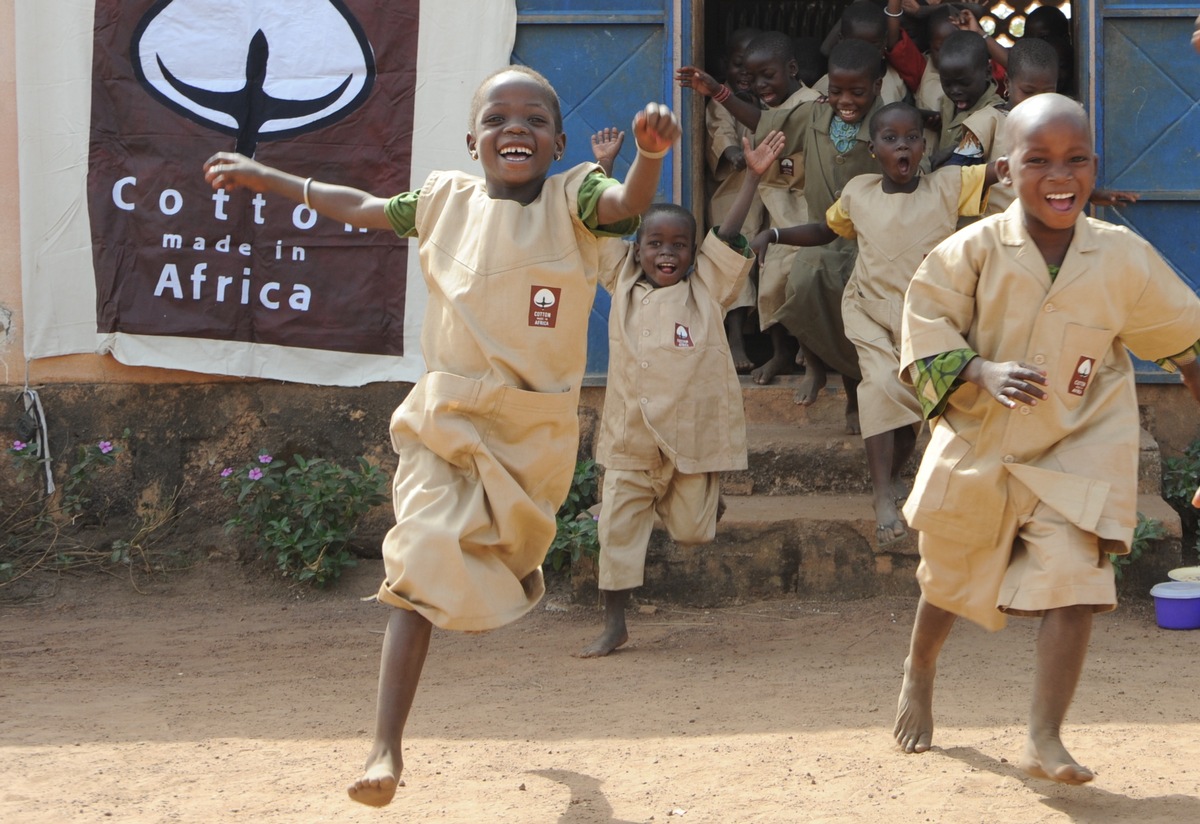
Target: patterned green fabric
x: 843, y: 134
x: 937, y: 377
x: 1185, y: 357
x: 1053, y: 271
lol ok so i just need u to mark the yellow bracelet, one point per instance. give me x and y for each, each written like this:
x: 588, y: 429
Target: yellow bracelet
x: 652, y: 155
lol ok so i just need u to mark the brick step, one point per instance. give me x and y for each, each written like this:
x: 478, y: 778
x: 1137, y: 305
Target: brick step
x: 819, y: 545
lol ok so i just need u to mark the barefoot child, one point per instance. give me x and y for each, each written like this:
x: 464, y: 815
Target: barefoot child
x: 487, y: 437
x: 673, y: 408
x: 896, y: 217
x: 771, y: 61
x: 1015, y: 332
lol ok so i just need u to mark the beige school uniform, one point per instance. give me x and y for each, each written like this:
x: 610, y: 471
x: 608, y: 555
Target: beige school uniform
x: 998, y: 487
x: 782, y: 193
x: 980, y: 121
x: 673, y: 406
x: 892, y: 89
x: 813, y: 298
x: 894, y: 232
x: 929, y: 97
x: 725, y: 181
x: 1001, y: 195
x: 487, y: 438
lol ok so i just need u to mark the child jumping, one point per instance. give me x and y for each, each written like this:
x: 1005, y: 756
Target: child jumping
x: 673, y: 407
x: 1014, y: 333
x: 487, y: 437
x: 896, y: 217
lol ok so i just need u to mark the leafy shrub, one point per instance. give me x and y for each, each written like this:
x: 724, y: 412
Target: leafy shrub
x: 1180, y: 477
x: 576, y: 536
x: 1147, y: 530
x: 303, y: 515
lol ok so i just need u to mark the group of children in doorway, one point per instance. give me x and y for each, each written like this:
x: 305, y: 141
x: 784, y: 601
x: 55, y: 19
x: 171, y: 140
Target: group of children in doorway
x: 1011, y: 342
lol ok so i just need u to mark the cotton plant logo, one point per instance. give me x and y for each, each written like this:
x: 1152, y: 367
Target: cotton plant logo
x: 255, y: 71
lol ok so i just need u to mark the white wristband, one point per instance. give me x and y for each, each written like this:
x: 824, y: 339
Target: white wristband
x: 652, y: 155
x: 775, y: 233
x: 307, y: 184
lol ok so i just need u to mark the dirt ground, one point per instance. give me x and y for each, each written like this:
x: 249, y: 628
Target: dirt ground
x: 221, y: 697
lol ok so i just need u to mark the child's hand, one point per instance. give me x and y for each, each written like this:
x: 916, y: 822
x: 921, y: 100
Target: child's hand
x: 697, y: 80
x: 965, y: 20
x: 227, y: 170
x: 913, y: 7
x: 655, y: 128
x: 760, y: 243
x: 1106, y: 197
x: 1196, y: 497
x: 606, y: 144
x: 1196, y: 36
x: 1010, y: 383
x: 759, y: 160
x: 735, y: 158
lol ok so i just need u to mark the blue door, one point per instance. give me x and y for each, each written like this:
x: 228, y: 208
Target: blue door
x: 1141, y: 79
x: 606, y: 59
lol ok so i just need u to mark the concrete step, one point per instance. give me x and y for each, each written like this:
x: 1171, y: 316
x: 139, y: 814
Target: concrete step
x: 818, y: 546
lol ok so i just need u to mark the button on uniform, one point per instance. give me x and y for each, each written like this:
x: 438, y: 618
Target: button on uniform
x: 1039, y: 359
x: 1049, y: 307
x: 1024, y: 410
x: 1009, y: 459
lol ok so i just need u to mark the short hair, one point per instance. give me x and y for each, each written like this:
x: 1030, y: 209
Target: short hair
x: 774, y: 44
x: 1052, y: 19
x: 668, y: 210
x: 863, y: 14
x: 899, y: 106
x: 966, y: 45
x: 536, y: 77
x: 940, y: 15
x: 1030, y: 54
x: 856, y: 56
x: 745, y: 34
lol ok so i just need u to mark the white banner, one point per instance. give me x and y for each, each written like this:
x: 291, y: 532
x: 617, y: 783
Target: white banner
x: 124, y: 250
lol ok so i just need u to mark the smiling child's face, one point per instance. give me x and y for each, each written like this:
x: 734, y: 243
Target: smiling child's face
x: 774, y: 80
x: 735, y: 70
x: 898, y: 143
x: 1051, y: 162
x: 665, y: 248
x: 515, y: 136
x: 852, y: 93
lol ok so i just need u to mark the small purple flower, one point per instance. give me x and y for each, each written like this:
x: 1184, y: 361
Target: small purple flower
x: 105, y: 447
x: 255, y: 474
x: 19, y: 446
x: 226, y: 472
x: 265, y: 459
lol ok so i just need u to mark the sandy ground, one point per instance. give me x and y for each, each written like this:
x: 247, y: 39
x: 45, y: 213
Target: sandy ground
x: 218, y: 697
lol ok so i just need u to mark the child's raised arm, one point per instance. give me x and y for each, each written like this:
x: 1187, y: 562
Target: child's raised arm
x: 690, y: 77
x: 655, y: 129
x: 758, y: 163
x: 606, y: 145
x: 226, y: 170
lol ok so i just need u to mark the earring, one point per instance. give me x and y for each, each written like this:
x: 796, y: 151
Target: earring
x: 872, y: 154
x: 558, y: 155
x: 474, y: 154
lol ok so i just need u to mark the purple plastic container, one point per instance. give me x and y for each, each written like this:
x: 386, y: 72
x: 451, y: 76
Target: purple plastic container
x: 1177, y: 604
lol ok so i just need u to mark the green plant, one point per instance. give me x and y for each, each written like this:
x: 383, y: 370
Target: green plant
x: 303, y: 515
x: 1180, y: 478
x: 1147, y: 530
x: 576, y: 535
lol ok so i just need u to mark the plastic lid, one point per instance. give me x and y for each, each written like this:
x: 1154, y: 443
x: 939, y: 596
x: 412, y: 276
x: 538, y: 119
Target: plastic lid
x: 1176, y: 589
x: 1191, y: 573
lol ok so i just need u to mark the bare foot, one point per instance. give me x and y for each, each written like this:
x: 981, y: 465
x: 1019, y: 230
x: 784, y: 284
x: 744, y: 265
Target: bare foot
x: 779, y: 364
x: 608, y: 641
x: 889, y: 525
x: 741, y: 361
x: 914, y: 710
x: 852, y: 425
x: 379, y: 781
x: 900, y: 490
x: 1049, y: 759
x: 810, y: 387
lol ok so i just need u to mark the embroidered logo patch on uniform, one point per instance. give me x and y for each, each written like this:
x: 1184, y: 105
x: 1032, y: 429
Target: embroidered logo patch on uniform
x: 683, y: 337
x: 787, y: 166
x: 1083, y: 373
x: 543, y: 306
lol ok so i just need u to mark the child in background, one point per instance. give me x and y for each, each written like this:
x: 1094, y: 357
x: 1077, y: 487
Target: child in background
x: 487, y: 437
x: 863, y: 20
x: 727, y: 167
x: 1050, y: 24
x: 896, y: 218
x: 1014, y: 333
x: 969, y: 114
x: 673, y: 408
x: 835, y: 140
x: 772, y: 64
x: 810, y: 60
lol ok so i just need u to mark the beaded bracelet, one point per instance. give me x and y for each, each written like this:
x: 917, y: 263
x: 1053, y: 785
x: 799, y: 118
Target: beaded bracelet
x: 722, y: 94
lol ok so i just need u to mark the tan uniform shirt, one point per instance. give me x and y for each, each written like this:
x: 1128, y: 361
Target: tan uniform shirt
x: 982, y: 120
x: 725, y: 182
x: 895, y: 231
x: 672, y: 388
x: 987, y: 288
x: 487, y: 437
x: 892, y: 90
